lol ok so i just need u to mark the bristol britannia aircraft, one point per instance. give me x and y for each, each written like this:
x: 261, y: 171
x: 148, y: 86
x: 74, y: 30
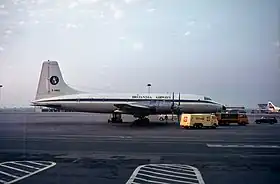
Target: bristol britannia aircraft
x: 53, y: 92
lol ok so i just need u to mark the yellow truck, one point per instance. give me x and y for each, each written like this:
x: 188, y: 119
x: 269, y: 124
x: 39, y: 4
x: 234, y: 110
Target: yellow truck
x: 198, y: 121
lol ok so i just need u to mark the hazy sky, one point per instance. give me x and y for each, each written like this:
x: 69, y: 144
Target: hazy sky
x: 226, y: 49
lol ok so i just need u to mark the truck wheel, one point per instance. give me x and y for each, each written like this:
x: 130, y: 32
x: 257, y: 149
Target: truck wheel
x: 161, y: 119
x: 225, y: 123
x: 257, y: 122
x: 242, y: 123
x: 271, y: 122
x: 214, y: 126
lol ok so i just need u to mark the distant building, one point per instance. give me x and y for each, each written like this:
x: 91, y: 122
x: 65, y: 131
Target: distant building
x: 262, y: 106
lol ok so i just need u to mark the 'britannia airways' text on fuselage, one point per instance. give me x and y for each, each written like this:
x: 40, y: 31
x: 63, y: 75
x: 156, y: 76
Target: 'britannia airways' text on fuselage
x: 150, y: 97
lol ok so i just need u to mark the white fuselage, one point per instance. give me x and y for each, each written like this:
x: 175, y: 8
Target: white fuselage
x: 107, y: 103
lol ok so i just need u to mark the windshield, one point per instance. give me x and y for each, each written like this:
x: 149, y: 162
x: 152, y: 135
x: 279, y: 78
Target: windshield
x: 128, y: 91
x: 207, y: 98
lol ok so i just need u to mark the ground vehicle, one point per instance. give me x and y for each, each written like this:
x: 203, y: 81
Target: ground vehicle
x: 263, y: 119
x: 198, y: 121
x: 232, y: 116
x: 116, y: 118
x: 165, y: 117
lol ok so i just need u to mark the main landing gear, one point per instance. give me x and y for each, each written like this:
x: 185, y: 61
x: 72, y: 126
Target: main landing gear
x: 115, y: 118
x: 141, y: 120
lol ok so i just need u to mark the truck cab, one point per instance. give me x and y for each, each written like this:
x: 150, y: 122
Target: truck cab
x: 166, y: 117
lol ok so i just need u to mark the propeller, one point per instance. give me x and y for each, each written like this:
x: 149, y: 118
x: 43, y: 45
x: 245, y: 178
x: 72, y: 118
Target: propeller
x: 176, y: 109
x: 172, y: 105
x: 179, y: 103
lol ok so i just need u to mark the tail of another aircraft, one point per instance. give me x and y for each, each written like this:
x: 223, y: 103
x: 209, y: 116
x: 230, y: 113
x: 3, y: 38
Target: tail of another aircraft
x: 51, y: 82
x: 270, y: 106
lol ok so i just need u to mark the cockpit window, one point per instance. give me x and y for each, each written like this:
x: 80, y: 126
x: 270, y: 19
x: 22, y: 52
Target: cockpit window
x: 207, y: 98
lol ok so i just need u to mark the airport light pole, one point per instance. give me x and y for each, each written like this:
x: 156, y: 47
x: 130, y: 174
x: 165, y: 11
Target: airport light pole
x: 1, y: 86
x: 149, y: 88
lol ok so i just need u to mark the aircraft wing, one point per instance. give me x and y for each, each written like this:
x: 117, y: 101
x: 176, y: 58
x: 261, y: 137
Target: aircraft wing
x: 134, y: 108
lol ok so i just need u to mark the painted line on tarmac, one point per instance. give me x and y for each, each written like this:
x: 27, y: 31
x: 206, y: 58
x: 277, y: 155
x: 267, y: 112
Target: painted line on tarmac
x: 14, y: 171
x: 241, y: 146
x: 165, y: 174
x: 133, y: 139
x: 92, y: 153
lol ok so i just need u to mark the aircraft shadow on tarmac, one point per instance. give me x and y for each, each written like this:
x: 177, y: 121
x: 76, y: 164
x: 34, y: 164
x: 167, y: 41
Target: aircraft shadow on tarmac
x: 144, y: 125
x: 163, y: 125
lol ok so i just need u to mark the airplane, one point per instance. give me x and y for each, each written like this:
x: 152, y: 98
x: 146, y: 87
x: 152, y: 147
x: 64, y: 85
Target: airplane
x: 53, y: 92
x: 272, y: 108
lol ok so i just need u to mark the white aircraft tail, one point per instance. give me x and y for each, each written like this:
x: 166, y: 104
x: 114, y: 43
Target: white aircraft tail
x: 51, y: 82
x: 270, y: 105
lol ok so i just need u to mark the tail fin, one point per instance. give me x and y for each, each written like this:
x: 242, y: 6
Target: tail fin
x: 51, y: 82
x: 270, y: 105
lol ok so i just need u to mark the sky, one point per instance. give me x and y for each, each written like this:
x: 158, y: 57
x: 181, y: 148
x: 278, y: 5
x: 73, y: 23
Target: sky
x: 228, y: 50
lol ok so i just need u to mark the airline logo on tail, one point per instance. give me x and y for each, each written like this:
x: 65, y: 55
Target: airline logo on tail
x: 54, y: 80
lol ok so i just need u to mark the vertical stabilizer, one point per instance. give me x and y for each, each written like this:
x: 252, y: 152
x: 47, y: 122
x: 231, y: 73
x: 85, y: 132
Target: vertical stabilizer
x: 51, y: 82
x: 270, y: 106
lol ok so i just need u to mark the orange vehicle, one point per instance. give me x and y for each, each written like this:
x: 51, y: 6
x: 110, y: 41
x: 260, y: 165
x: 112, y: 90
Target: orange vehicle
x: 232, y: 116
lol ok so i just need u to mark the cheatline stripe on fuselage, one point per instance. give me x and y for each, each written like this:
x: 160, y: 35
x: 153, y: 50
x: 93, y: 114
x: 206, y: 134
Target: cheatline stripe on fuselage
x: 123, y: 100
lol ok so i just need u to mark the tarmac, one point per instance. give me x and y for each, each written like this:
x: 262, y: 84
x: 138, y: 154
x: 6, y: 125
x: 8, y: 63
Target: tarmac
x: 86, y: 149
